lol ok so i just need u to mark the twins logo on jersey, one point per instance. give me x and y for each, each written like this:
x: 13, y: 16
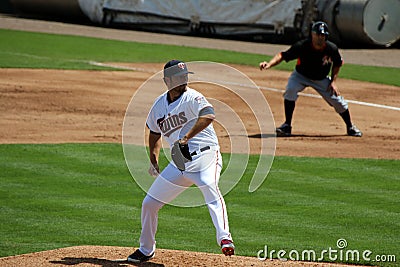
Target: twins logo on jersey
x: 172, y: 123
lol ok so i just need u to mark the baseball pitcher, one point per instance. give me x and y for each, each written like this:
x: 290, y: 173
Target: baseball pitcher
x: 184, y: 118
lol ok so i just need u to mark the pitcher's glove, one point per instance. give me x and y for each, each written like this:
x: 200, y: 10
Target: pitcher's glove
x: 180, y: 155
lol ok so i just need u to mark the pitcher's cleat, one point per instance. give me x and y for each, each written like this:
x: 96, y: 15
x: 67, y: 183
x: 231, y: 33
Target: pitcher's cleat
x: 138, y: 257
x: 228, y: 249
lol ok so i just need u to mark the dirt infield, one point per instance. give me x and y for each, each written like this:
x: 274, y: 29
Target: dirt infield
x: 57, y: 106
x: 53, y: 106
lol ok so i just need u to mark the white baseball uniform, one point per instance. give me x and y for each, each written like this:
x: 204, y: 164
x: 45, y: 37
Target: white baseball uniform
x: 173, y: 121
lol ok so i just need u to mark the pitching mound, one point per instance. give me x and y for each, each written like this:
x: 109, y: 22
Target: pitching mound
x: 115, y: 256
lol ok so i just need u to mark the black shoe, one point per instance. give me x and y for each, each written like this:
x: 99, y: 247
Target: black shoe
x: 138, y: 257
x: 354, y: 131
x: 284, y: 131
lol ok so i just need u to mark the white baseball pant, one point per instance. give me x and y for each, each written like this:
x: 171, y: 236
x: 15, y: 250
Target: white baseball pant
x: 170, y: 183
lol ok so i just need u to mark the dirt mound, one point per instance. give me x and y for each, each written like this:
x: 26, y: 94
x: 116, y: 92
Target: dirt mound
x: 116, y: 257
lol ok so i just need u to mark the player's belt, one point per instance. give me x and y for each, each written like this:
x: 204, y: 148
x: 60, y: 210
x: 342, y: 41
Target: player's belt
x: 194, y: 153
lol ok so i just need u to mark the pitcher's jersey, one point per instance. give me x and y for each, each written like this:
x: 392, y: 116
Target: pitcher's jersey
x: 174, y: 120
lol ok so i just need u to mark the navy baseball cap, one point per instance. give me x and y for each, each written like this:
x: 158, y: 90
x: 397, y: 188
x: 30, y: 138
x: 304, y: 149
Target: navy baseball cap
x: 320, y: 27
x: 175, y: 68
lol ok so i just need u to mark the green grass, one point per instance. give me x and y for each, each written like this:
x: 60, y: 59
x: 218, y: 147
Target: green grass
x: 38, y: 50
x: 82, y: 194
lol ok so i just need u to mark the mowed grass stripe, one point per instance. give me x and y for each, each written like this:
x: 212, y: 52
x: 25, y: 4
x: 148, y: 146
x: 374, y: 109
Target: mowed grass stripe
x: 52, y: 51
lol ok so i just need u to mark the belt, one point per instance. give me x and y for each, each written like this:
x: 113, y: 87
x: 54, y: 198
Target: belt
x: 194, y: 153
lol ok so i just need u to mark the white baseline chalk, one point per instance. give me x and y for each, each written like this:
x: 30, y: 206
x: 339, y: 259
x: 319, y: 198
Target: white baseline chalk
x: 261, y: 87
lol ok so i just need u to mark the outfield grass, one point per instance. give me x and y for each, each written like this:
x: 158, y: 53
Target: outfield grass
x: 39, y: 50
x: 74, y: 194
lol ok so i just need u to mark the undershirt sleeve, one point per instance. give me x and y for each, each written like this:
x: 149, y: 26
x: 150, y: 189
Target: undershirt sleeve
x: 206, y: 111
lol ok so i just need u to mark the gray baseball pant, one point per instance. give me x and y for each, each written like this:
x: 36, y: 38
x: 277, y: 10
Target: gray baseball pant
x: 298, y: 82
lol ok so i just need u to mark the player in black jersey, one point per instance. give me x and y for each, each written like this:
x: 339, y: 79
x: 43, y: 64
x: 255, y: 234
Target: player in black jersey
x: 316, y: 57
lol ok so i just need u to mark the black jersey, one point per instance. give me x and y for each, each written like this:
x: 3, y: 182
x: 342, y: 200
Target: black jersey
x: 313, y: 64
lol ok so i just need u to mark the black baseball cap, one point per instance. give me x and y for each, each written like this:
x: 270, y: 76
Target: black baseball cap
x: 320, y: 27
x: 175, y: 68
